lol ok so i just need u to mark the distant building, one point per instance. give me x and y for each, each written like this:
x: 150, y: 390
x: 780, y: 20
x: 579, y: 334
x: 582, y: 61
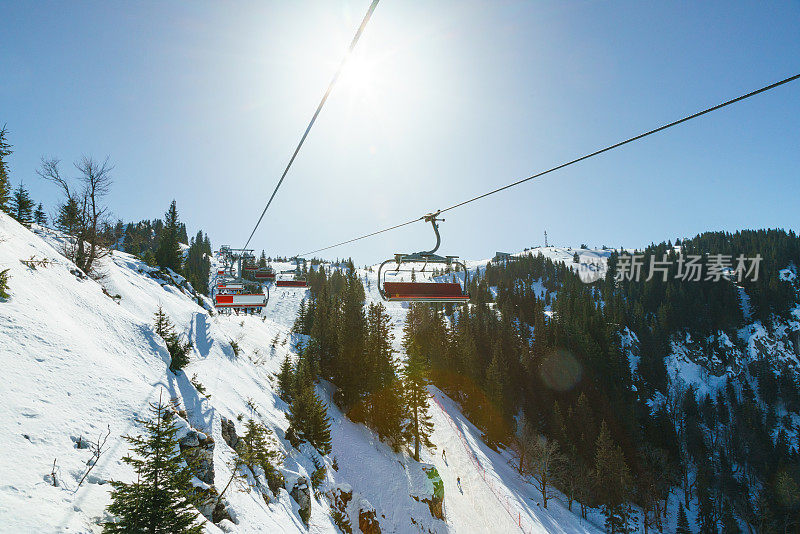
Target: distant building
x: 501, y: 257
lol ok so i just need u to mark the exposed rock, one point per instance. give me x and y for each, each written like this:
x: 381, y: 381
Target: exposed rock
x: 223, y: 513
x: 436, y: 506
x: 191, y: 439
x: 301, y: 493
x: 339, y: 498
x: 201, y: 460
x: 229, y: 433
x: 368, y: 522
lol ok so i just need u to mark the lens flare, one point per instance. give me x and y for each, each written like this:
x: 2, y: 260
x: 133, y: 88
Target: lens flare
x: 560, y: 370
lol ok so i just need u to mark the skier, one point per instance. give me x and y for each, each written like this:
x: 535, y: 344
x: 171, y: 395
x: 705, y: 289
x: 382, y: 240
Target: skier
x: 444, y: 457
x: 458, y: 482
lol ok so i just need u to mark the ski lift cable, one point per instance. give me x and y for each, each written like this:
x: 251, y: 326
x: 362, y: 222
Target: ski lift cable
x: 353, y: 43
x: 568, y: 163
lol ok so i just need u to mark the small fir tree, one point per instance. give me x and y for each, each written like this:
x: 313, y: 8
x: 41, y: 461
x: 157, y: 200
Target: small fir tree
x: 4, y: 284
x: 161, y: 499
x: 5, y: 180
x: 683, y: 522
x: 22, y: 205
x: 39, y: 216
x: 308, y: 418
x: 168, y: 254
x: 286, y: 380
x: 178, y: 350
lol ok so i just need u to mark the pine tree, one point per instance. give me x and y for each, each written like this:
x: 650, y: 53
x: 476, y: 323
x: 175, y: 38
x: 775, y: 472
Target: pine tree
x: 169, y: 253
x: 162, y: 325
x: 254, y: 452
x: 5, y: 179
x: 22, y: 205
x: 39, y: 216
x: 68, y: 219
x: 197, y: 266
x: 161, y: 499
x: 4, y: 284
x: 683, y: 522
x: 178, y: 351
x: 705, y: 511
x: 308, y: 418
x: 347, y: 370
x: 612, y: 481
x: 286, y: 380
x: 383, y: 404
x: 419, y: 426
x: 729, y: 523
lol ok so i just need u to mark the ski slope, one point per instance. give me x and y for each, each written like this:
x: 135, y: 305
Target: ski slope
x: 79, y: 362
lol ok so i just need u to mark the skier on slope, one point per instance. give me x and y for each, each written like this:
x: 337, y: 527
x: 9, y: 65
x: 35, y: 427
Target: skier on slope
x: 458, y: 482
x: 444, y: 457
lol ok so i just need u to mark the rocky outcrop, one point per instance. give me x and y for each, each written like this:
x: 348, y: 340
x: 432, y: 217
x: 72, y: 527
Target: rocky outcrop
x: 229, y: 433
x: 301, y: 493
x: 339, y: 498
x: 198, y: 450
x: 368, y: 522
x: 435, y: 494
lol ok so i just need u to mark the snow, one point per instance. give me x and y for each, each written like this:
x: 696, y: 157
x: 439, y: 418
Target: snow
x: 78, y: 362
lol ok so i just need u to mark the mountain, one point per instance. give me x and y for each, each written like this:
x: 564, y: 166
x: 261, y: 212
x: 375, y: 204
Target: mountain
x: 82, y: 361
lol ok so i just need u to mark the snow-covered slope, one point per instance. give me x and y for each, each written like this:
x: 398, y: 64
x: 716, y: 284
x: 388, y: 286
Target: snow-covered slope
x: 80, y: 358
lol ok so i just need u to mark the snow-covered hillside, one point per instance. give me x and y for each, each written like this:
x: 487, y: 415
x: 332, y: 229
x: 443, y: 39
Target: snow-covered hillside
x: 80, y: 359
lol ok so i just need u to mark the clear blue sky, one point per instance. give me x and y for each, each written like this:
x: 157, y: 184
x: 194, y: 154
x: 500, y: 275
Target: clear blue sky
x: 204, y: 102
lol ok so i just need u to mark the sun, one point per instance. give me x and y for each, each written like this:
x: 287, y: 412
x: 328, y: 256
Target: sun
x: 359, y: 75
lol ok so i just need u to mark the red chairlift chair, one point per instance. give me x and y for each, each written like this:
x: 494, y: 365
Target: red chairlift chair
x: 298, y: 280
x: 438, y: 292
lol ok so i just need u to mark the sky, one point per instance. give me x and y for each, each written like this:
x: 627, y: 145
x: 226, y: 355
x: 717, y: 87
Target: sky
x: 204, y: 102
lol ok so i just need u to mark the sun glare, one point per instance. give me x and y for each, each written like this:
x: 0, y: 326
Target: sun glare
x: 358, y: 75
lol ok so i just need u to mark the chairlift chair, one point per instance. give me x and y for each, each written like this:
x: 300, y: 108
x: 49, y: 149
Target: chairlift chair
x: 233, y: 297
x: 298, y: 280
x: 438, y: 292
x: 267, y: 274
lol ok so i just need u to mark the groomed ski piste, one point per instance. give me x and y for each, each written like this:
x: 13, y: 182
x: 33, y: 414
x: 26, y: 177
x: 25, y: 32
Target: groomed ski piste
x: 80, y: 358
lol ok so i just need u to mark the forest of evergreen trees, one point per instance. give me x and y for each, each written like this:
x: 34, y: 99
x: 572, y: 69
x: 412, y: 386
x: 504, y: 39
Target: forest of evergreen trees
x: 549, y: 375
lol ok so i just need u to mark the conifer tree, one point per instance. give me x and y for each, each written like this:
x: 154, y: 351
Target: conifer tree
x: 612, y: 479
x: 706, y: 521
x: 22, y: 205
x: 308, y: 418
x: 384, y: 410
x: 348, y: 371
x: 39, y: 216
x: 683, y: 522
x: 286, y: 380
x: 4, y: 284
x: 178, y: 351
x: 68, y: 217
x: 5, y: 179
x: 161, y: 499
x: 197, y: 266
x: 729, y: 523
x: 418, y: 427
x: 169, y: 253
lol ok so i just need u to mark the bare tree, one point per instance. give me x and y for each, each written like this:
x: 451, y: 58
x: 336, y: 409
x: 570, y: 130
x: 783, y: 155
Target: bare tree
x: 86, y: 201
x: 524, y: 442
x: 545, y: 462
x: 97, y: 451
